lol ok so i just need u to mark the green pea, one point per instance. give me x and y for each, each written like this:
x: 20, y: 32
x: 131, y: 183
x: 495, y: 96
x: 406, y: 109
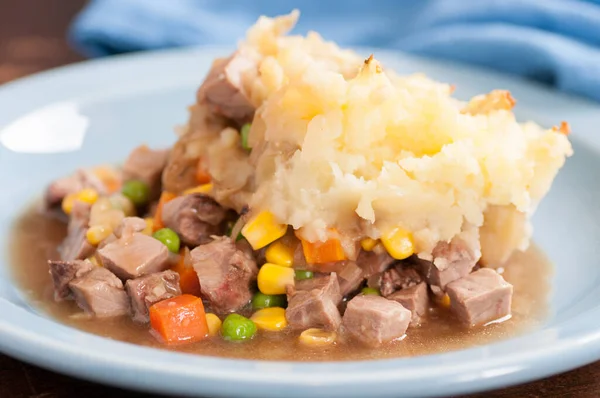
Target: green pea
x: 244, y: 132
x: 169, y: 238
x: 302, y: 274
x: 370, y: 291
x: 237, y: 328
x: 137, y: 191
x: 260, y: 300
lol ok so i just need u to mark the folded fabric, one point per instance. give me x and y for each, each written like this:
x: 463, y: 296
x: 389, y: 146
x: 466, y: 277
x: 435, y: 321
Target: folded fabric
x: 553, y: 41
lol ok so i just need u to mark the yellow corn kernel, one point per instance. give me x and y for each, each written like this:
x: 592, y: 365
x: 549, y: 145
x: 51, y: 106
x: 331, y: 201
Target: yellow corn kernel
x: 279, y: 254
x: 445, y: 301
x: 317, y: 337
x: 87, y: 195
x: 368, y: 244
x: 398, y: 243
x: 97, y: 234
x: 272, y: 319
x: 214, y: 324
x: 272, y: 278
x: 263, y: 229
x: 149, y: 226
x: 205, y: 188
x: 67, y: 203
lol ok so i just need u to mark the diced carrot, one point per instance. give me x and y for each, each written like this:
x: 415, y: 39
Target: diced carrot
x: 164, y: 198
x: 202, y: 176
x: 323, y: 252
x: 179, y: 319
x: 188, y: 279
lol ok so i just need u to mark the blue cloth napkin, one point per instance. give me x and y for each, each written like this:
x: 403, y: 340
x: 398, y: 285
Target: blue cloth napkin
x: 553, y: 41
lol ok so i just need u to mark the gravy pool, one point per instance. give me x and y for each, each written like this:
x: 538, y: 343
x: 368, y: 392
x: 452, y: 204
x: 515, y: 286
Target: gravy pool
x: 36, y: 237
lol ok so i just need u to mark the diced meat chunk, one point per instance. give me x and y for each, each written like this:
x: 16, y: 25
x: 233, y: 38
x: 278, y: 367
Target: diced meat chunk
x: 129, y: 226
x: 150, y: 289
x: 180, y: 171
x: 75, y: 246
x: 401, y: 276
x: 316, y: 282
x: 316, y: 307
x: 480, y: 297
x: 374, y: 262
x: 135, y: 256
x: 327, y: 283
x: 183, y: 159
x: 194, y: 217
x: 375, y: 320
x: 223, y: 91
x: 146, y: 165
x: 451, y: 261
x: 62, y: 187
x: 350, y: 278
x: 415, y: 299
x: 63, y: 272
x: 100, y: 293
x: 225, y: 273
x: 299, y: 260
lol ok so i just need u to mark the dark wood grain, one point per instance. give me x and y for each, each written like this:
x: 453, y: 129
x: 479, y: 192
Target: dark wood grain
x: 32, y: 38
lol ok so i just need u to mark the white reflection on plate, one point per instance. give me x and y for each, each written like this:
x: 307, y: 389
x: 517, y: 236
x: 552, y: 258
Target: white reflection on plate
x: 53, y: 128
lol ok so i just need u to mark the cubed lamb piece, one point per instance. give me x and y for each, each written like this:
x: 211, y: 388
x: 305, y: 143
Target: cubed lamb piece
x: 225, y: 273
x: 75, y: 246
x: 318, y: 281
x: 150, y: 289
x: 299, y: 260
x: 129, y: 226
x: 323, y: 282
x: 63, y: 272
x: 222, y: 89
x: 451, y: 261
x: 194, y: 217
x: 146, y: 165
x: 480, y: 297
x: 62, y: 187
x: 317, y: 307
x: 415, y: 299
x: 375, y: 320
x: 100, y: 293
x: 400, y: 276
x: 374, y: 262
x: 246, y: 247
x: 182, y: 164
x: 350, y: 278
x: 135, y: 256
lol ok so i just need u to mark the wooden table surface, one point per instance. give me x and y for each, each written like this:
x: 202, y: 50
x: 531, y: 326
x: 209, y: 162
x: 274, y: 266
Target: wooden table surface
x: 32, y: 38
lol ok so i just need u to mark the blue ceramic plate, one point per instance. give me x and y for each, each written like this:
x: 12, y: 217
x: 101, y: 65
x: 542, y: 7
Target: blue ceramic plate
x: 97, y: 111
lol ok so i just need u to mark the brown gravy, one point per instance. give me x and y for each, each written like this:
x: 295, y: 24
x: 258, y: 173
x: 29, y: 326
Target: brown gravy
x: 36, y: 238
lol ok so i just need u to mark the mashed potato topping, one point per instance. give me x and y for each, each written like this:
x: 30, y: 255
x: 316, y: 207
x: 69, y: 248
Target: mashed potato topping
x: 342, y: 142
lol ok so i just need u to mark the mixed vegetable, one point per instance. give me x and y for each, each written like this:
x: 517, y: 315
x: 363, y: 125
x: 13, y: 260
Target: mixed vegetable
x: 209, y: 273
